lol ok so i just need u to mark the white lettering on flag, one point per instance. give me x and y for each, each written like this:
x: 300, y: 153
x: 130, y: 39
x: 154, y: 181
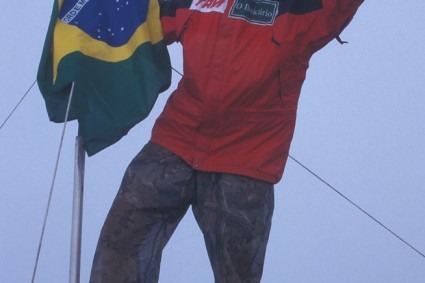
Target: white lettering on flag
x: 74, y: 11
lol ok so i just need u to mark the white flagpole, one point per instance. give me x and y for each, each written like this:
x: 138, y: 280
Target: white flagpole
x: 77, y: 212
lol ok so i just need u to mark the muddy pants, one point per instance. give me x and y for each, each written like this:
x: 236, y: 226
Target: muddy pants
x: 233, y: 212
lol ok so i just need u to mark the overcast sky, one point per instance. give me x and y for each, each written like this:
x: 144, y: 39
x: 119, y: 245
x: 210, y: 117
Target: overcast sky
x: 361, y: 127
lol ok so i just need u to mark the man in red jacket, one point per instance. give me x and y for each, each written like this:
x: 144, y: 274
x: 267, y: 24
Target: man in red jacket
x: 223, y: 137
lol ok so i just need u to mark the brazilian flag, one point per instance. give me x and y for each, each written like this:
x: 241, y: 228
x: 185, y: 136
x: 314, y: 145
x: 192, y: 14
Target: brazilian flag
x: 113, y: 51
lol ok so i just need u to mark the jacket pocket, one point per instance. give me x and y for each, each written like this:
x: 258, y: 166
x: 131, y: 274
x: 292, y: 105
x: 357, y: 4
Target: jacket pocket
x: 292, y: 72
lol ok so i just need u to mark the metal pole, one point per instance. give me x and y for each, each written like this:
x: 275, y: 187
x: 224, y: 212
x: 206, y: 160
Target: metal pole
x: 77, y: 212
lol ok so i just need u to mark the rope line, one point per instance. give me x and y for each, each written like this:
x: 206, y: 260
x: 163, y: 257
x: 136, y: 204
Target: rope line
x: 357, y: 206
x: 177, y: 71
x: 17, y: 105
x: 52, y: 186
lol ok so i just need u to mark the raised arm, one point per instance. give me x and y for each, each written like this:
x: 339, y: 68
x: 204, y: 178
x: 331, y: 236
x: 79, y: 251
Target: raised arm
x: 311, y: 24
x: 327, y: 23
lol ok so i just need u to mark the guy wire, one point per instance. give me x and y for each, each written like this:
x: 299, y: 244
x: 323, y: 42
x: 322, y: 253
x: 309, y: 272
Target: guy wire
x: 356, y: 205
x: 52, y: 185
x: 17, y: 105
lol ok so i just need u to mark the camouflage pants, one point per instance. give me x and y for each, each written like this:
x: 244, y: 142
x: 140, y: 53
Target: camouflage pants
x: 233, y: 212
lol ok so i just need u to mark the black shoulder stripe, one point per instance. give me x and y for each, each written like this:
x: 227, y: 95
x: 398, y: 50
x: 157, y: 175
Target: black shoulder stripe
x: 169, y: 7
x: 299, y: 7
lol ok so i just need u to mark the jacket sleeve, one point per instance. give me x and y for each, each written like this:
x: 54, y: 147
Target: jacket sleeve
x: 309, y: 31
x: 327, y: 23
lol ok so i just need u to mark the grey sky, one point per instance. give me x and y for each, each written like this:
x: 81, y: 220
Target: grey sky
x: 361, y: 126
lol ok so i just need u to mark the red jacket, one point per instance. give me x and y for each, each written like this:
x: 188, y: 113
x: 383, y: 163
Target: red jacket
x: 234, y: 110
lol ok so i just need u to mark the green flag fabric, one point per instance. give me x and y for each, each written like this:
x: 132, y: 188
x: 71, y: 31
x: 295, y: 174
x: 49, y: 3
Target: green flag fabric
x: 113, y: 51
